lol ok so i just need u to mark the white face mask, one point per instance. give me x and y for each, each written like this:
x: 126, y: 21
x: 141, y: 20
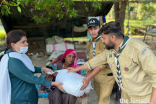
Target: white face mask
x: 22, y: 49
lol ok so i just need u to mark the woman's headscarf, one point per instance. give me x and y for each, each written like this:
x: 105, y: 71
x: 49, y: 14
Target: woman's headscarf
x: 62, y: 56
x: 71, y: 51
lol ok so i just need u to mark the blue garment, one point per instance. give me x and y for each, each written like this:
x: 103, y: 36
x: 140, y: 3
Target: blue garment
x: 103, y: 19
x: 88, y: 35
x: 23, y: 90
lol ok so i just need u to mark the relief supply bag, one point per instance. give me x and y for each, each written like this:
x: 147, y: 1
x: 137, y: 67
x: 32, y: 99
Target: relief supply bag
x: 72, y: 82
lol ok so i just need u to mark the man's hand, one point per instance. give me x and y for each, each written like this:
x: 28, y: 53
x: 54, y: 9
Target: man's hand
x: 45, y: 70
x: 59, y: 85
x: 85, y: 82
x: 153, y: 96
x: 71, y: 69
x: 84, y: 95
x: 150, y: 103
x: 88, y: 73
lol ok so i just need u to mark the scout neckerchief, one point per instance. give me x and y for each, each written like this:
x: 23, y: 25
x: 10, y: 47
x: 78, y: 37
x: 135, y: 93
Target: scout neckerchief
x: 94, y: 44
x: 125, y: 41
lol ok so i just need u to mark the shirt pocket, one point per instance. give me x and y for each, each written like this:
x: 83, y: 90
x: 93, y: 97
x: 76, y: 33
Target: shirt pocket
x: 128, y: 67
x: 112, y: 65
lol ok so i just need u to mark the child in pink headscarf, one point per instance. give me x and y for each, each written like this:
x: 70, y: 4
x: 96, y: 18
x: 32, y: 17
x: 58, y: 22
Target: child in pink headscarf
x: 63, y: 62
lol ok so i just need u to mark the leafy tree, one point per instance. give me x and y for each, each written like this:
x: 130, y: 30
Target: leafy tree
x: 55, y: 8
x: 2, y: 35
x: 147, y: 10
x: 50, y: 7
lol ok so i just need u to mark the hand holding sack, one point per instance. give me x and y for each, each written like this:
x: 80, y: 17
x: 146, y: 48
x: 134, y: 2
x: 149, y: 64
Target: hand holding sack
x: 72, y: 82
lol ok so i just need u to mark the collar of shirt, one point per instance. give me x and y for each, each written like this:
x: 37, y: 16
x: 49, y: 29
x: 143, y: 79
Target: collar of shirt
x: 119, y: 46
x: 123, y: 42
x: 93, y: 40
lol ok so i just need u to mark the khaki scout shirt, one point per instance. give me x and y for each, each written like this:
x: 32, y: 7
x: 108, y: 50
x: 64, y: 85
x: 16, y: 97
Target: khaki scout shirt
x: 105, y: 69
x: 137, y: 65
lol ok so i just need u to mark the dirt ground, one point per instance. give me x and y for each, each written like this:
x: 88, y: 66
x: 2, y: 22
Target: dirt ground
x: 92, y: 97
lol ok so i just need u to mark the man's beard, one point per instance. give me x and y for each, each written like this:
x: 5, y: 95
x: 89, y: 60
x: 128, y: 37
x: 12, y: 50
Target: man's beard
x: 110, y: 45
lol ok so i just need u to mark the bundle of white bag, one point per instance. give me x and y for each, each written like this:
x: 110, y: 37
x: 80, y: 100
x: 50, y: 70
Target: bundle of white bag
x: 72, y: 82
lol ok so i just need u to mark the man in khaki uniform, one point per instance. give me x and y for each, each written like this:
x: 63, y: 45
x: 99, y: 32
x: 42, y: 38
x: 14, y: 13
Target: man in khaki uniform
x: 104, y: 80
x: 132, y: 62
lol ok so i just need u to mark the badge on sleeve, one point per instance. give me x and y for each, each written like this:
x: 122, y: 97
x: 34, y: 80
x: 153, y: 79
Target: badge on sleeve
x: 126, y: 69
x: 143, y: 52
x: 110, y: 66
x: 110, y: 55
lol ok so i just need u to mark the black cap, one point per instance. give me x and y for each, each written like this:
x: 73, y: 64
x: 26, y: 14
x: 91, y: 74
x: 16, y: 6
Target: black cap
x: 93, y: 22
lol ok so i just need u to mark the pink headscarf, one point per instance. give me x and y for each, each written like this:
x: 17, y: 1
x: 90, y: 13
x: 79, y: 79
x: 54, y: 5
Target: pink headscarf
x: 71, y: 51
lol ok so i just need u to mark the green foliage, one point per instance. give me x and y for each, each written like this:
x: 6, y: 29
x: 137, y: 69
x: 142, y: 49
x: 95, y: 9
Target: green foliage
x: 2, y: 33
x: 132, y: 31
x: 50, y: 7
x: 2, y: 36
x: 142, y: 11
x: 97, y: 5
x: 19, y: 9
x: 146, y: 10
x: 142, y: 16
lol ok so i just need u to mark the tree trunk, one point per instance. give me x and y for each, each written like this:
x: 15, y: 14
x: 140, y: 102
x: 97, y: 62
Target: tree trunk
x: 116, y: 11
x: 122, y: 15
x: 119, y: 10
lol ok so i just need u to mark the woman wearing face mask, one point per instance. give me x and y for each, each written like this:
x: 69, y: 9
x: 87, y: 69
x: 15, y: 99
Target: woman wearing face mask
x: 56, y: 96
x: 17, y: 81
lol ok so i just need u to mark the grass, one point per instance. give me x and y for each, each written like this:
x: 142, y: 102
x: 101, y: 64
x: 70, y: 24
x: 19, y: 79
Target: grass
x: 136, y: 22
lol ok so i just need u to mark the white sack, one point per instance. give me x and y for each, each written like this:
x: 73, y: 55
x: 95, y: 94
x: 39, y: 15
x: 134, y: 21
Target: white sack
x: 72, y: 82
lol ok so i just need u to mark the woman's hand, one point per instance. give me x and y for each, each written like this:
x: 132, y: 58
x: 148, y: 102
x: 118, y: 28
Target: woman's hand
x: 45, y: 70
x: 55, y: 74
x: 59, y: 85
x: 71, y: 69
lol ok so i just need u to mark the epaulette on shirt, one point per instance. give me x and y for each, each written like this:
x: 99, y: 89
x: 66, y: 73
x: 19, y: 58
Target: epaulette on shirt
x: 137, y: 44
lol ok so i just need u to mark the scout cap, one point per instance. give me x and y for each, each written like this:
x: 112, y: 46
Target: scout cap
x: 93, y: 22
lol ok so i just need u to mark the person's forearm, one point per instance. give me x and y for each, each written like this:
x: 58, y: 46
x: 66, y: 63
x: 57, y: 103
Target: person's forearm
x: 82, y: 67
x: 98, y: 60
x: 37, y: 69
x: 93, y: 73
x: 153, y: 96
